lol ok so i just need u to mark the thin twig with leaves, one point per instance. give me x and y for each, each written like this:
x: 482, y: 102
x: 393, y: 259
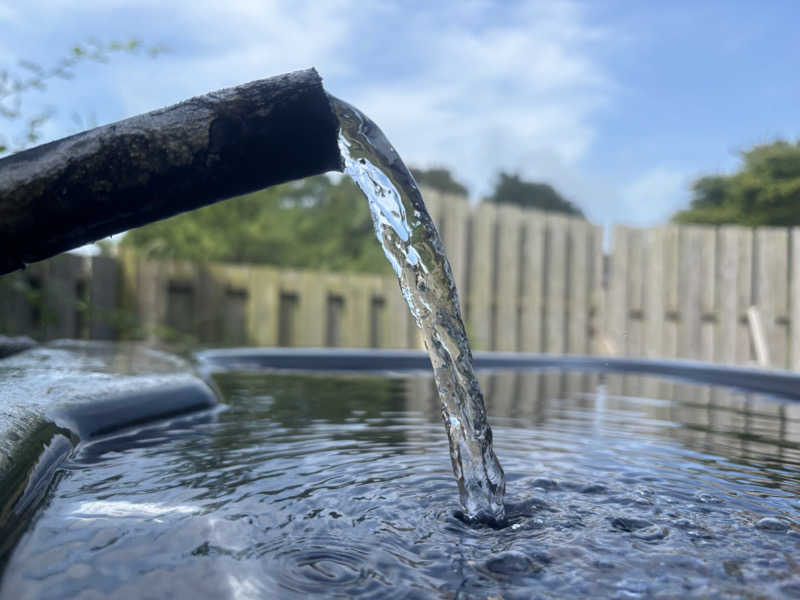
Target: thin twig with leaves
x: 34, y: 78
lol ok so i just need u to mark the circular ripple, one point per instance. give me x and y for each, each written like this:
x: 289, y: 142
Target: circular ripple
x: 310, y: 566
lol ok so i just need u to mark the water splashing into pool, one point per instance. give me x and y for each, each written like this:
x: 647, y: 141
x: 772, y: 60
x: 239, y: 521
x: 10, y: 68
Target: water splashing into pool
x: 413, y: 247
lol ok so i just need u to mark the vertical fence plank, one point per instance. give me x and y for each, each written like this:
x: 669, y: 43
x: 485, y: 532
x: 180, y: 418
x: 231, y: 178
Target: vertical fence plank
x: 772, y: 292
x: 507, y: 278
x: 557, y: 274
x: 397, y: 321
x: 339, y: 299
x: 744, y: 296
x: 18, y: 304
x: 61, y: 290
x: 356, y: 309
x: 635, y: 276
x: 708, y: 296
x: 262, y: 306
x: 728, y: 309
x: 617, y: 304
x: 532, y: 288
x: 290, y: 307
x: 151, y: 291
x: 580, y: 276
x: 103, y: 291
x: 481, y: 277
x: 794, y: 300
x: 205, y: 297
x: 653, y: 302
x: 456, y: 215
x: 669, y: 343
x: 374, y: 312
x: 228, y: 290
x: 598, y: 292
x: 690, y: 281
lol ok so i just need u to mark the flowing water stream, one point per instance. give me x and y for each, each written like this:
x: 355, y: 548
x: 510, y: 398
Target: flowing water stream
x: 415, y: 250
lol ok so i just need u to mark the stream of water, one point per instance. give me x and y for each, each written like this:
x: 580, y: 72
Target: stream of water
x: 413, y: 247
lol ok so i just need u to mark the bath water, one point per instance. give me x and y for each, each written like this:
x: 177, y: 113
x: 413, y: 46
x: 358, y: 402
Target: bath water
x: 415, y: 251
x: 337, y: 486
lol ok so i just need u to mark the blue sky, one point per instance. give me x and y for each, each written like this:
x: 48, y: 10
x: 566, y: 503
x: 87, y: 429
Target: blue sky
x: 618, y: 104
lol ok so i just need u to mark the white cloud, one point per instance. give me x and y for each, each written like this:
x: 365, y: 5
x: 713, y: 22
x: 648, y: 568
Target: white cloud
x: 247, y: 40
x: 515, y: 95
x: 477, y: 87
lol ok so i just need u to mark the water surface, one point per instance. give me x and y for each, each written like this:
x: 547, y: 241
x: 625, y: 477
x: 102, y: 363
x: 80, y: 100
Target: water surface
x: 619, y: 486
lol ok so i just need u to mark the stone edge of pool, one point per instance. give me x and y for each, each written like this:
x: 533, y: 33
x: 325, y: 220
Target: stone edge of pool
x: 55, y: 395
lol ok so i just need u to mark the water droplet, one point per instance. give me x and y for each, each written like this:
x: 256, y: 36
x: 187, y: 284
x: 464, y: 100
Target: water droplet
x: 633, y: 589
x: 707, y: 498
x: 652, y: 533
x: 772, y: 524
x: 511, y: 563
x: 629, y: 523
x: 595, y: 488
x: 545, y: 483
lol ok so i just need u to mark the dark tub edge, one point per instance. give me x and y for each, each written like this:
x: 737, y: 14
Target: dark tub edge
x: 25, y: 487
x: 40, y: 438
x: 785, y: 384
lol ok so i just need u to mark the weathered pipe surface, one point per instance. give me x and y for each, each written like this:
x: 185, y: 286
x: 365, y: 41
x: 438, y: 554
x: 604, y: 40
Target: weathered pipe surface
x: 85, y: 187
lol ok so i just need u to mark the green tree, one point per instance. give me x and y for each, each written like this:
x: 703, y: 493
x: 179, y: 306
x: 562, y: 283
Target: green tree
x: 312, y: 223
x: 438, y: 179
x: 511, y: 189
x: 764, y: 191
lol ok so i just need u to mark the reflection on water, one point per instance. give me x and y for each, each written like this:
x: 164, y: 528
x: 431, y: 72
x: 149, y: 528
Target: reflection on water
x: 618, y: 486
x: 747, y: 428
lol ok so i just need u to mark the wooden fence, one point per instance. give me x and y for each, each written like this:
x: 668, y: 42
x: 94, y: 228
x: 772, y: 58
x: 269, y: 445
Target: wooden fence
x: 265, y: 306
x: 68, y: 296
x: 704, y: 293
x: 528, y: 281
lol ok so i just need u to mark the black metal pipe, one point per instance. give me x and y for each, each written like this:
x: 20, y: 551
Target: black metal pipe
x: 82, y: 188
